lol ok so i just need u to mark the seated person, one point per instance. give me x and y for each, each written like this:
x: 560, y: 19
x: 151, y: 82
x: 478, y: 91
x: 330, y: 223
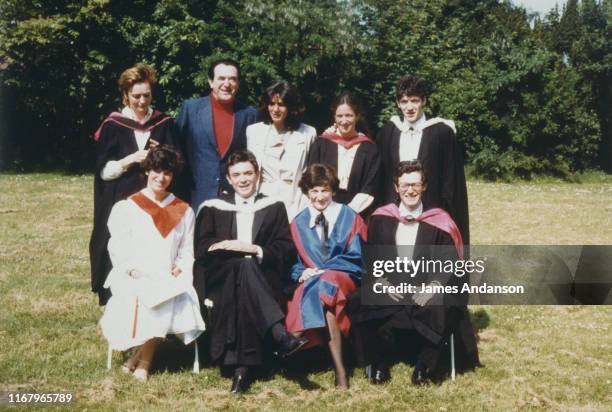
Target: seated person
x: 151, y: 251
x: 430, y: 317
x: 328, y: 237
x: 243, y: 248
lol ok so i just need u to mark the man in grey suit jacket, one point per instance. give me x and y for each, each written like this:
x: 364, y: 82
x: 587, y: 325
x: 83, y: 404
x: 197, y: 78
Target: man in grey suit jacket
x: 211, y: 128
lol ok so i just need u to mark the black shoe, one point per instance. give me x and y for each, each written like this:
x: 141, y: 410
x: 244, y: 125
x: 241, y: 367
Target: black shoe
x: 420, y: 375
x: 289, y: 346
x: 241, y: 381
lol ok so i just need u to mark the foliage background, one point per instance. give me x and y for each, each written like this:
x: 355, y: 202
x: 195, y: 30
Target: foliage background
x: 530, y: 95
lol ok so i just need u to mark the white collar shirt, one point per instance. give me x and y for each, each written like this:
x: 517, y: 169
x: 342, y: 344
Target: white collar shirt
x: 244, y: 218
x: 410, y: 138
x: 331, y: 213
x: 406, y: 233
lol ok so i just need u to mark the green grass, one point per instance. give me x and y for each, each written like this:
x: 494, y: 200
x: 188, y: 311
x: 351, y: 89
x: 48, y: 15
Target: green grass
x: 536, y: 357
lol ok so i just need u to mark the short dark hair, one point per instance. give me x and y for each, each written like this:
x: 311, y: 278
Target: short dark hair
x: 225, y: 61
x: 409, y: 166
x: 410, y: 85
x: 240, y: 156
x: 348, y: 98
x: 163, y: 157
x: 318, y: 174
x: 290, y: 97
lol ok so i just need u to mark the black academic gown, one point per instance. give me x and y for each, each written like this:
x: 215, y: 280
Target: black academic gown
x: 443, y: 163
x: 364, y: 171
x: 433, y: 323
x: 246, y: 294
x: 117, y: 141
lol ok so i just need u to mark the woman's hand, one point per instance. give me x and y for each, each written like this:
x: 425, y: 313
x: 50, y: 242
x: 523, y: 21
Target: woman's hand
x: 135, y: 273
x: 308, y: 273
x: 136, y: 157
x: 176, y: 271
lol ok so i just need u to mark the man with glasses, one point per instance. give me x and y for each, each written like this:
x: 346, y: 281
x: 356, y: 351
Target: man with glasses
x: 426, y: 318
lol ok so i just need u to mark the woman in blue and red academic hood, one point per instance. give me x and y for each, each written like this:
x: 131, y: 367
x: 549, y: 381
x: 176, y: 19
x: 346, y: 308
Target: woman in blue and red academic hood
x: 328, y: 237
x: 122, y: 143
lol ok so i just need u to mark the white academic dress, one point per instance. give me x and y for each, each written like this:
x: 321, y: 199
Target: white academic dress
x: 282, y: 158
x: 156, y: 303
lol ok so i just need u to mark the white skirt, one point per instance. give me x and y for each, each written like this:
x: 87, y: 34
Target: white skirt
x: 130, y: 321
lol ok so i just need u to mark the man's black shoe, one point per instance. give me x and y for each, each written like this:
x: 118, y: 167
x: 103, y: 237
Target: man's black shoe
x: 420, y: 375
x: 241, y: 381
x: 378, y: 375
x: 289, y: 346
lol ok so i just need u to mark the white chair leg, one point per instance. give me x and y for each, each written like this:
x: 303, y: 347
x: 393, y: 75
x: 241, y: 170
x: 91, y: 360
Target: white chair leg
x: 452, y: 354
x: 196, y: 358
x: 109, y: 357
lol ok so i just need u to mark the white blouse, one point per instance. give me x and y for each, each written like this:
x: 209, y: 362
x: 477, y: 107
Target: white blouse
x: 282, y: 158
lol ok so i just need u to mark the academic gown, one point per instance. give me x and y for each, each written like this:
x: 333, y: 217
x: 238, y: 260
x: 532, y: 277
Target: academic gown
x: 364, y: 171
x: 115, y: 140
x: 433, y: 323
x: 442, y: 160
x: 342, y: 268
x: 245, y: 292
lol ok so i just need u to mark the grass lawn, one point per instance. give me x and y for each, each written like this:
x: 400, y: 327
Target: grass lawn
x: 535, y: 357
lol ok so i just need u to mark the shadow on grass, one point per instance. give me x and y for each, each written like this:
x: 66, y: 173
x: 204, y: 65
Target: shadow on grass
x: 173, y: 356
x: 480, y: 320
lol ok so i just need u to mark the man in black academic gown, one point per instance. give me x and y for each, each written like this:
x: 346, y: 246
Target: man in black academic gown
x: 433, y: 141
x: 429, y: 317
x: 243, y: 249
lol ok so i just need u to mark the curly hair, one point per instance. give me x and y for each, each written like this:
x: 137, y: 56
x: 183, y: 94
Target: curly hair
x: 318, y: 174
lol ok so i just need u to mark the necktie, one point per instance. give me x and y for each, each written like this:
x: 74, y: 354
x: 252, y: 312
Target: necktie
x: 321, y: 221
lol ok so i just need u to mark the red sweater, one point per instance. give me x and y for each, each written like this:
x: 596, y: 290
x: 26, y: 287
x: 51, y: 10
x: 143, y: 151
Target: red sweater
x: 223, y: 124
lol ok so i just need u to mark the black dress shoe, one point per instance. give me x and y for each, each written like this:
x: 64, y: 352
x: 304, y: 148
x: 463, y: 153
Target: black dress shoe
x: 420, y: 375
x: 241, y: 381
x: 377, y: 375
x: 289, y: 346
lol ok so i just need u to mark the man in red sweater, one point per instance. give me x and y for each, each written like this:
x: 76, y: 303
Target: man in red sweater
x: 210, y: 128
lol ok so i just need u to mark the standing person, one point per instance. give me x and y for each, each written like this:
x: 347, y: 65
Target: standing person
x: 328, y: 237
x: 281, y: 144
x: 151, y: 249
x: 433, y: 141
x: 243, y: 250
x: 348, y: 149
x: 212, y: 127
x: 122, y: 143
x: 430, y: 317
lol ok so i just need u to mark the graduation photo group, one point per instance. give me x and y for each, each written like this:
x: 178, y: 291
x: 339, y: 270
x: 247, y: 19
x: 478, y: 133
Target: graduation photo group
x: 242, y: 229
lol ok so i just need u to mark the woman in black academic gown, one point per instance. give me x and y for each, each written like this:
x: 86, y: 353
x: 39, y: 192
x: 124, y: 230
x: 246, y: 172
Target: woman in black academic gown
x: 346, y: 147
x: 122, y: 143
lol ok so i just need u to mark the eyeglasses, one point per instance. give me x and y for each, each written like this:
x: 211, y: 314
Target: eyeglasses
x: 405, y: 186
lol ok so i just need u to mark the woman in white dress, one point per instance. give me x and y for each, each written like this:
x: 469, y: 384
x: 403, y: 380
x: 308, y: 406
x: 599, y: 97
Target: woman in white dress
x: 151, y: 250
x: 281, y: 144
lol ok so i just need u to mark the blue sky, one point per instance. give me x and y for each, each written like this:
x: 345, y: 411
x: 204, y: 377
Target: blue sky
x: 541, y: 6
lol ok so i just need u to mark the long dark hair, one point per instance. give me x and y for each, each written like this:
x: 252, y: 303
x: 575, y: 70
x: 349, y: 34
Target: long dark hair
x: 290, y: 97
x: 348, y: 98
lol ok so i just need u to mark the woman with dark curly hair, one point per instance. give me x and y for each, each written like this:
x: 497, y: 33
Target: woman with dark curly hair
x: 281, y: 144
x: 122, y: 142
x: 151, y: 251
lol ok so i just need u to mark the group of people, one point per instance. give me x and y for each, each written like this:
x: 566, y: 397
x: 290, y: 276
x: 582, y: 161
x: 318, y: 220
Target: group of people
x: 271, y: 240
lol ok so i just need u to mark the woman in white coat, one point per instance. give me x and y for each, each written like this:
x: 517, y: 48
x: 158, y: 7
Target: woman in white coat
x: 151, y: 250
x: 281, y: 144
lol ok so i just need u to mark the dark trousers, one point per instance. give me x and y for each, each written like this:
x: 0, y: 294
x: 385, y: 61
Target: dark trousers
x: 243, y: 315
